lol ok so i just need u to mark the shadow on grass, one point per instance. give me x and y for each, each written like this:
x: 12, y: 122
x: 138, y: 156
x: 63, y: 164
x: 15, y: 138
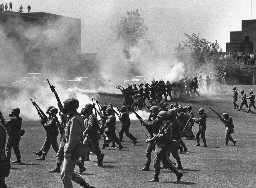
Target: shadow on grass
x: 107, y: 166
x: 28, y: 164
x: 181, y: 182
x: 190, y: 170
x: 86, y: 174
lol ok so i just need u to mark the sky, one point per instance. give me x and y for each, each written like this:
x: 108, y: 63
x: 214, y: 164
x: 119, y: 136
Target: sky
x: 167, y: 20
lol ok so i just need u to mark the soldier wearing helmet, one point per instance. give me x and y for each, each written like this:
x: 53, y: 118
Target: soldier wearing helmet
x: 182, y: 118
x: 91, y: 133
x: 125, y: 125
x: 110, y: 127
x: 152, y: 126
x: 251, y: 101
x: 244, y: 101
x: 163, y: 142
x: 201, y: 121
x: 235, y: 97
x: 190, y: 123
x: 73, y: 137
x: 13, y: 127
x: 51, y: 126
x: 228, y: 122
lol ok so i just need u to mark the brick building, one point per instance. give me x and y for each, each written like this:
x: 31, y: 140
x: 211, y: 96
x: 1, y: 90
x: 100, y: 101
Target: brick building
x: 243, y: 41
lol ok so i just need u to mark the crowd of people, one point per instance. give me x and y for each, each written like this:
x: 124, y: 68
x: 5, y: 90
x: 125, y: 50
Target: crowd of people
x: 5, y: 7
x: 81, y: 132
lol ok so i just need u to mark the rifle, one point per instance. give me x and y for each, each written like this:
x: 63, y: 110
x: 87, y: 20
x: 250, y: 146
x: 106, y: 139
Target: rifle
x: 216, y: 113
x: 140, y: 119
x: 186, y: 126
x: 161, y: 130
x: 40, y: 112
x: 56, y: 96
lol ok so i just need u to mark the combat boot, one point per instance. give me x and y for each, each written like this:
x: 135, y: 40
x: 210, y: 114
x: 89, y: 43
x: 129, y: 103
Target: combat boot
x: 57, y: 170
x: 18, y: 161
x: 120, y: 147
x: 179, y: 175
x: 234, y: 142
x: 197, y: 144
x: 146, y: 168
x: 179, y: 165
x: 86, y: 185
x: 42, y: 158
x: 134, y: 142
x: 155, y: 179
x: 39, y: 153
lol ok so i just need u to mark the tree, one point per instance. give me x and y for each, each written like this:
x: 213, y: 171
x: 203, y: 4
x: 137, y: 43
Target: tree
x: 131, y: 30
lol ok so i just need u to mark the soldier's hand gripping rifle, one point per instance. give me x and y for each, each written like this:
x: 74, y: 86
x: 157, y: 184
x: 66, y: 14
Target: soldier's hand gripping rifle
x: 40, y: 112
x: 161, y: 131
x: 56, y: 96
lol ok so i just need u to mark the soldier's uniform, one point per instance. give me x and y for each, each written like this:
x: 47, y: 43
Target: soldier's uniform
x: 152, y: 126
x: 91, y: 133
x: 228, y: 121
x: 202, y: 127
x: 190, y: 123
x: 3, y: 136
x: 13, y: 127
x: 125, y: 125
x: 235, y: 97
x: 251, y: 101
x: 244, y: 101
x: 110, y: 127
x: 162, y: 148
x: 51, y: 126
x: 73, y: 136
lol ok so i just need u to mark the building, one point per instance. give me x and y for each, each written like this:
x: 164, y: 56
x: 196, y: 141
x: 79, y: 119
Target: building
x: 244, y: 41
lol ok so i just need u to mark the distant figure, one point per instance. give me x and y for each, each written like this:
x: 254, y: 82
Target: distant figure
x: 29, y: 8
x: 6, y: 7
x: 21, y: 9
x: 10, y: 6
x: 2, y: 7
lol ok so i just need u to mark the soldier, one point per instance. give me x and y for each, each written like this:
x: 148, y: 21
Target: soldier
x: 244, y: 101
x: 6, y: 7
x: 60, y: 153
x: 13, y: 127
x: 151, y: 126
x: 90, y: 135
x: 190, y: 123
x: 228, y: 121
x: 162, y: 146
x: 176, y: 138
x: 51, y: 126
x: 202, y: 127
x: 10, y: 6
x: 110, y: 127
x: 29, y: 8
x: 3, y: 136
x: 235, y: 97
x: 73, y: 136
x: 251, y: 101
x: 125, y: 125
x: 182, y: 119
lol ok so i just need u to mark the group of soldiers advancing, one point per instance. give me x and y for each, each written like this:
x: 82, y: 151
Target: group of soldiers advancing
x: 244, y: 98
x: 135, y: 95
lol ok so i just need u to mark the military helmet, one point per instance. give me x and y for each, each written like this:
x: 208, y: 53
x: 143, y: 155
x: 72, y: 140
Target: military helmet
x: 242, y: 92
x: 189, y: 108
x: 225, y: 115
x: 54, y: 110
x: 71, y: 104
x: 234, y: 88
x: 109, y: 110
x: 15, y: 112
x: 49, y: 109
x: 251, y: 92
x: 163, y: 115
x: 154, y: 109
x: 88, y: 107
x: 123, y: 109
x: 201, y: 111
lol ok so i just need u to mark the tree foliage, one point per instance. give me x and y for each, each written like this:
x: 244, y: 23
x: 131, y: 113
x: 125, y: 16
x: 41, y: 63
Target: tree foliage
x: 131, y: 28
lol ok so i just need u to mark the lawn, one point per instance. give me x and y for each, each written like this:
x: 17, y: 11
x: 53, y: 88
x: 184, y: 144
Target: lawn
x: 215, y: 166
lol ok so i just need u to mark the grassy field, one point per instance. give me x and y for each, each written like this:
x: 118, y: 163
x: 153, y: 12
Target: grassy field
x: 215, y: 166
